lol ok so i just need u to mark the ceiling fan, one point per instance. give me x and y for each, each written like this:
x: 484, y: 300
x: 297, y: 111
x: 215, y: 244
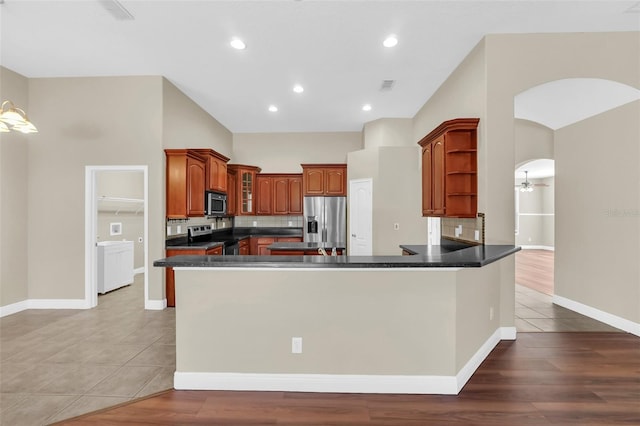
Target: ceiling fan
x: 527, y: 186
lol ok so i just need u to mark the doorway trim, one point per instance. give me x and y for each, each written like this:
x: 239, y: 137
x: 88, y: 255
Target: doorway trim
x: 91, y: 230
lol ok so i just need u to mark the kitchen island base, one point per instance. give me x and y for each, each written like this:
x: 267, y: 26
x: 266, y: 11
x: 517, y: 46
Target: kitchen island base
x: 386, y: 330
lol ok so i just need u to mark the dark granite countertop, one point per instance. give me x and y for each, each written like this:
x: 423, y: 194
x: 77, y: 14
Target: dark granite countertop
x: 471, y: 257
x: 217, y: 238
x: 306, y: 246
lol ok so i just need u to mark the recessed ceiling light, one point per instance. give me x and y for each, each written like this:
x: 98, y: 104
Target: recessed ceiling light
x: 273, y: 108
x: 366, y: 107
x: 298, y: 89
x: 236, y: 43
x: 390, y: 41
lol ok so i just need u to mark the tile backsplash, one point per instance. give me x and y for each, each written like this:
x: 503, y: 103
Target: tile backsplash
x: 178, y: 227
x: 468, y: 227
x: 268, y: 221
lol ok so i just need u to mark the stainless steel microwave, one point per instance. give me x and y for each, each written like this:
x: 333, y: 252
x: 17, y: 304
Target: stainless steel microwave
x: 215, y: 203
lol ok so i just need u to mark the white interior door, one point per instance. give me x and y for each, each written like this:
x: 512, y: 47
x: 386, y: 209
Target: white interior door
x: 360, y: 217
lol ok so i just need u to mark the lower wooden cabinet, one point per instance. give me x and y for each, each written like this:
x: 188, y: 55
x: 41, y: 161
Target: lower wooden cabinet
x: 170, y: 281
x: 258, y: 245
x: 243, y: 247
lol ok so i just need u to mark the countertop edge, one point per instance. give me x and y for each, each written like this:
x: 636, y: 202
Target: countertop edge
x: 473, y: 257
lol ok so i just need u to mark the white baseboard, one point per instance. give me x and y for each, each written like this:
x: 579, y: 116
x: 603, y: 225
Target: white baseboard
x: 155, y: 305
x: 139, y: 270
x: 43, y: 304
x: 550, y: 248
x: 13, y: 308
x: 341, y: 383
x: 597, y: 314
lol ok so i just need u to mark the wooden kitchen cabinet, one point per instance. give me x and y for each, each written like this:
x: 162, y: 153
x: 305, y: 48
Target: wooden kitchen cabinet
x: 232, y: 203
x: 279, y: 194
x: 324, y: 179
x: 216, y: 170
x: 185, y: 184
x: 258, y: 245
x: 245, y: 195
x: 243, y: 247
x: 170, y: 282
x: 262, y: 244
x: 450, y: 169
x: 264, y: 194
x: 295, y: 195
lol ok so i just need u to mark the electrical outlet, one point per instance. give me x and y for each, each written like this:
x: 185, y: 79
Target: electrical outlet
x: 396, y: 226
x: 255, y: 223
x: 296, y: 345
x: 476, y: 235
x: 168, y: 230
x: 179, y: 229
x: 290, y: 223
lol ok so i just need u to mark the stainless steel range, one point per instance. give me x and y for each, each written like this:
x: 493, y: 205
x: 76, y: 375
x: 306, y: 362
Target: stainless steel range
x: 203, y: 234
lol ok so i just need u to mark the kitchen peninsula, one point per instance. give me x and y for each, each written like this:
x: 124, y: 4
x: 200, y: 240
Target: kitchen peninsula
x: 381, y: 324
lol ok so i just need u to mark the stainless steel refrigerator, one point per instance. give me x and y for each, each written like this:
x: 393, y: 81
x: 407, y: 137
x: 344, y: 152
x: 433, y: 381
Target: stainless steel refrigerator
x: 325, y: 219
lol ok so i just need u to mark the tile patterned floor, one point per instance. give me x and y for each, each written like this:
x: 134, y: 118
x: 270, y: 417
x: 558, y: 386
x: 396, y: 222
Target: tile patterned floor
x: 536, y: 312
x: 57, y: 364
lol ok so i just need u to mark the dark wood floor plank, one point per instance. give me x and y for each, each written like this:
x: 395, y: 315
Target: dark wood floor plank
x: 539, y: 379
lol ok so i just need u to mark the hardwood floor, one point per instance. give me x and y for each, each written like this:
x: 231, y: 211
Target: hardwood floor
x: 534, y: 269
x: 539, y: 379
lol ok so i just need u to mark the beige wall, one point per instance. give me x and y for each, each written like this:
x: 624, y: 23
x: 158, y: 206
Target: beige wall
x: 186, y: 125
x: 284, y: 152
x: 388, y: 132
x: 14, y: 167
x: 598, y: 212
x: 87, y: 121
x: 536, y: 226
x: 514, y: 64
x: 126, y: 185
x: 532, y: 141
x: 406, y: 322
x: 396, y: 197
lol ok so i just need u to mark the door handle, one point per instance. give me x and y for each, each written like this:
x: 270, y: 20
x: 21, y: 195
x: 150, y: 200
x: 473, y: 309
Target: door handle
x: 353, y: 235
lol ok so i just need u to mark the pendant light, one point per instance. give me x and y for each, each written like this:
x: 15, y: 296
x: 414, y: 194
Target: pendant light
x: 13, y: 118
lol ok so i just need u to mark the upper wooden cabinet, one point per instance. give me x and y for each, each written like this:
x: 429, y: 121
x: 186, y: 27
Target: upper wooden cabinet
x: 185, y: 183
x: 232, y: 203
x: 450, y: 169
x: 279, y: 194
x: 324, y: 179
x: 216, y: 169
x: 245, y: 188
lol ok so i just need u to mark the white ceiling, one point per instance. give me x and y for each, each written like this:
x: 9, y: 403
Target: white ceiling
x: 333, y: 48
x: 560, y: 103
x: 537, y: 169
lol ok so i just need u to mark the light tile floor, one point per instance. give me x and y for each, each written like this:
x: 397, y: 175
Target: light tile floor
x: 536, y: 312
x: 57, y: 364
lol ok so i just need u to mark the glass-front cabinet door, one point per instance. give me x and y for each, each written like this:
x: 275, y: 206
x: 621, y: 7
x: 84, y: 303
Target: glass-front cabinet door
x: 245, y: 193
